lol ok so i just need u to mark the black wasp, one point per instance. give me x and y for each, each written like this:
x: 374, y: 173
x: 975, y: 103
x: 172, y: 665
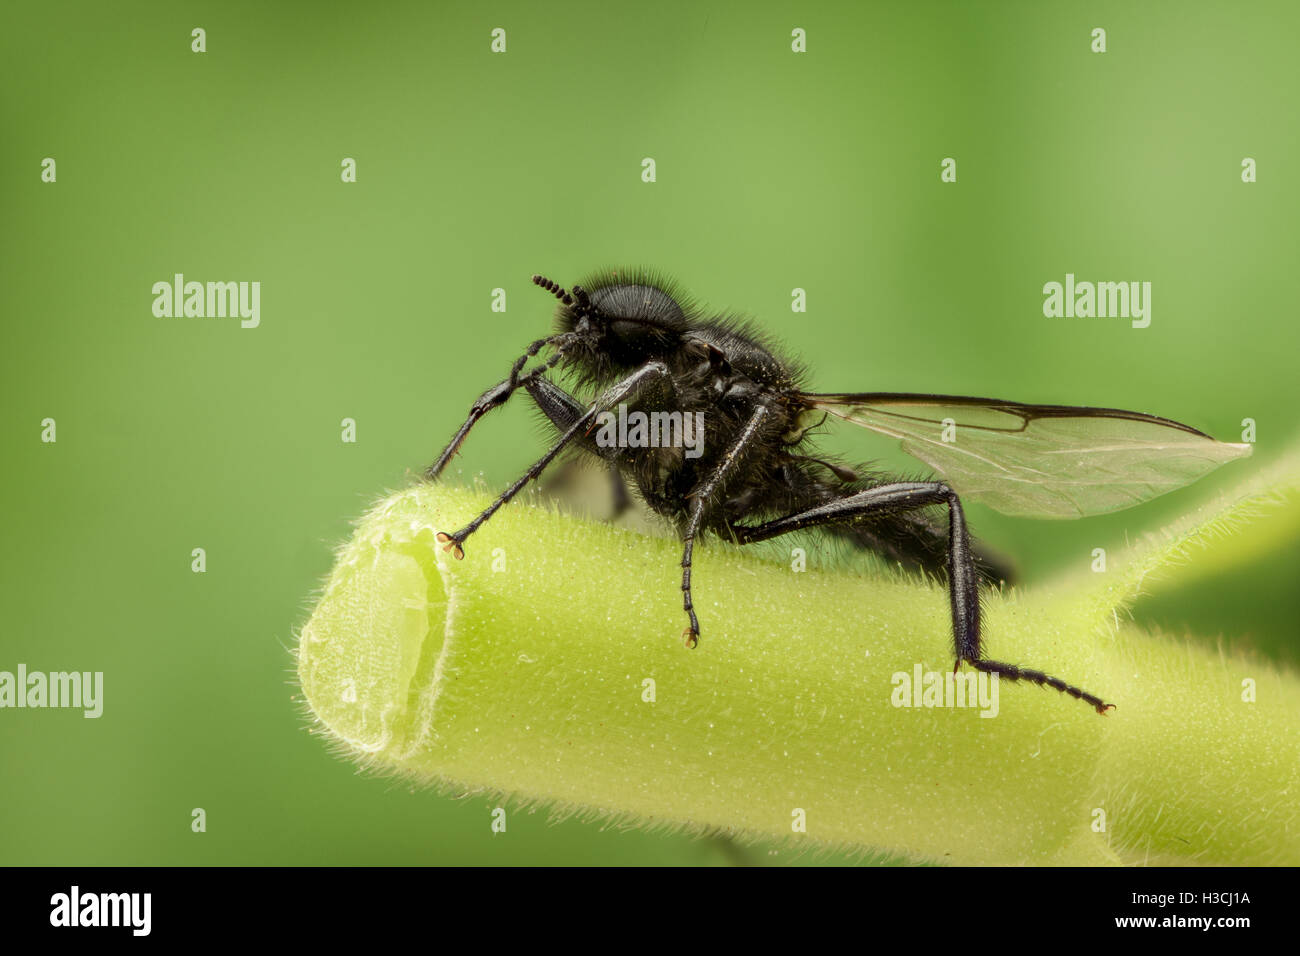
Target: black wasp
x: 631, y: 339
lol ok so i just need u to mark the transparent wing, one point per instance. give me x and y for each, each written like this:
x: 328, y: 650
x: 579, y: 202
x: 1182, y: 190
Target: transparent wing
x: 1042, y: 461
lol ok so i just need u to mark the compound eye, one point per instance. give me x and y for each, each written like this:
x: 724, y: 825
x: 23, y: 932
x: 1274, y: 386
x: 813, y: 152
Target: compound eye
x: 642, y: 303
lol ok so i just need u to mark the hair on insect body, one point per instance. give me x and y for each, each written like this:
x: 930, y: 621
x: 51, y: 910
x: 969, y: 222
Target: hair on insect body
x: 635, y: 344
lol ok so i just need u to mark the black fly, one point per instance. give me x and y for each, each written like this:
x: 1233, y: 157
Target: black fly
x: 631, y: 340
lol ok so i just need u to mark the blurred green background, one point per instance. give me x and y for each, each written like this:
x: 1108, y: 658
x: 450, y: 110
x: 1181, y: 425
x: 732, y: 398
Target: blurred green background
x: 775, y: 170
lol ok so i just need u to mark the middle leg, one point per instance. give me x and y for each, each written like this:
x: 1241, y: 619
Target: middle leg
x: 701, y: 498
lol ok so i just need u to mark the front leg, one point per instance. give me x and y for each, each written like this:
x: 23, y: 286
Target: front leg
x: 563, y: 410
x: 963, y: 584
x: 647, y: 373
x: 498, y: 395
x: 495, y: 396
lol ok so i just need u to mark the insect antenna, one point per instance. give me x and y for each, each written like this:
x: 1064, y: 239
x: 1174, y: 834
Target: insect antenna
x: 580, y: 294
x: 555, y: 289
x: 577, y: 300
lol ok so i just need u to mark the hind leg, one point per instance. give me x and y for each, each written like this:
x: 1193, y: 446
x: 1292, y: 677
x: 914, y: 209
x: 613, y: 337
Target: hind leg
x: 963, y: 579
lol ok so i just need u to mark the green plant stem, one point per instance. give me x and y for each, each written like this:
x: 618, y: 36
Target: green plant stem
x: 522, y: 670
